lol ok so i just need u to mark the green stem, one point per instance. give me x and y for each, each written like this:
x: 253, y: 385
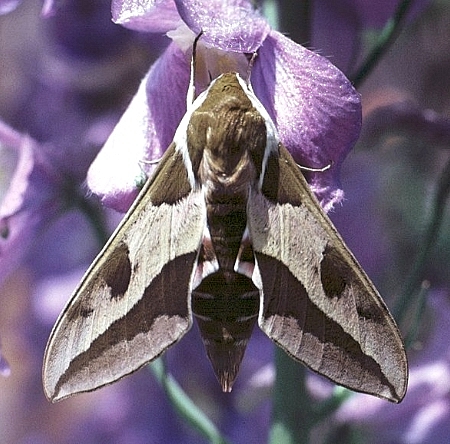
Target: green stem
x: 294, y: 412
x: 426, y: 246
x: 184, y: 405
x: 74, y: 198
x: 95, y: 216
x: 419, y: 311
x: 386, y: 38
x: 295, y: 18
x: 292, y: 415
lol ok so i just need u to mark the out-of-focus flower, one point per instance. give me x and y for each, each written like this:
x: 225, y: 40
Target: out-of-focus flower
x: 31, y: 200
x: 44, y: 185
x: 63, y: 106
x: 5, y: 369
x: 48, y: 8
x: 406, y: 118
x: 315, y: 108
x: 7, y: 6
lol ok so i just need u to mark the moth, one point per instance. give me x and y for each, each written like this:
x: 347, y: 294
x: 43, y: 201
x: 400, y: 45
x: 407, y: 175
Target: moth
x: 228, y: 232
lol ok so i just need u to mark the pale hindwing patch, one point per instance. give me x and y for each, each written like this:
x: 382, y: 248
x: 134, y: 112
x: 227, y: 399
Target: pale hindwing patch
x: 317, y: 302
x: 134, y: 301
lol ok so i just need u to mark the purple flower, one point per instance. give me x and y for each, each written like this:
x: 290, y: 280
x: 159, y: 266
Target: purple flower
x: 7, y: 6
x: 44, y: 186
x: 5, y: 369
x: 48, y: 7
x: 316, y: 110
x: 55, y: 105
x: 30, y: 200
x: 405, y: 117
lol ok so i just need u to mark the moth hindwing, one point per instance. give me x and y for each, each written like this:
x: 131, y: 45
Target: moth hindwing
x: 227, y: 231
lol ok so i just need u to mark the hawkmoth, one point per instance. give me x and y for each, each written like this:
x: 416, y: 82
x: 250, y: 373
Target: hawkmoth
x: 226, y: 231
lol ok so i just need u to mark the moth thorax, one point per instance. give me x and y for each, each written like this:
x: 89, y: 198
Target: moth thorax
x: 226, y: 130
x: 228, y: 148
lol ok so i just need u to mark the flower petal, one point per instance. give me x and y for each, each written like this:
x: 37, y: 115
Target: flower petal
x: 28, y: 203
x: 7, y: 6
x: 404, y: 117
x: 315, y: 108
x: 143, y: 133
x: 146, y: 15
x: 232, y: 25
x: 5, y: 369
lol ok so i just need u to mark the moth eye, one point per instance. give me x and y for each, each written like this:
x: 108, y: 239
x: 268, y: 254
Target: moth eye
x: 332, y: 272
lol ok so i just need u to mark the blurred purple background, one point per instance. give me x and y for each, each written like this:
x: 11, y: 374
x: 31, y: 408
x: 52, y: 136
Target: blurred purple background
x: 66, y: 79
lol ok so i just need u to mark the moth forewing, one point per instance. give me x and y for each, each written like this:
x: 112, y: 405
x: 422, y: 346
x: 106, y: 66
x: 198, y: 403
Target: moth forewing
x: 318, y: 304
x: 133, y: 302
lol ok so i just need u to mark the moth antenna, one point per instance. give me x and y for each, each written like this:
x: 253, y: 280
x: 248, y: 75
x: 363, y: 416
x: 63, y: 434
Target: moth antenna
x: 191, y: 90
x: 250, y: 67
x: 316, y: 170
x: 151, y: 162
x: 145, y: 174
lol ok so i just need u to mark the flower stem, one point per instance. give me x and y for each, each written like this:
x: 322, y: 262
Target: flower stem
x: 427, y: 244
x: 295, y: 18
x: 96, y: 218
x: 292, y: 415
x: 184, y: 405
x: 386, y: 38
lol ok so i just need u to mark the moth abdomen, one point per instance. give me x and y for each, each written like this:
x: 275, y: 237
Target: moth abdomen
x: 226, y: 306
x: 226, y: 223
